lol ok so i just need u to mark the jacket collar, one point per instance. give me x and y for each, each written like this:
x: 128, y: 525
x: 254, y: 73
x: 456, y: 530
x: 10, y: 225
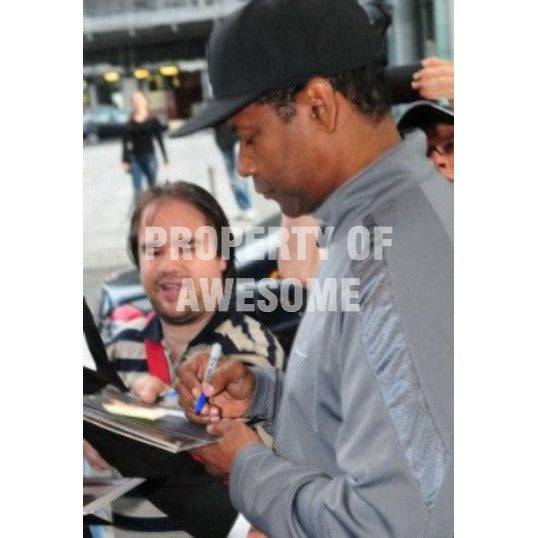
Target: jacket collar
x: 396, y: 170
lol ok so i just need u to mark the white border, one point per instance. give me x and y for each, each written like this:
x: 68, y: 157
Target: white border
x: 496, y: 273
x: 41, y: 291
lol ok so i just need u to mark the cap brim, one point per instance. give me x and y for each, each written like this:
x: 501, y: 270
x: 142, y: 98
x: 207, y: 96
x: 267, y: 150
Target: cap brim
x: 214, y: 113
x: 424, y: 113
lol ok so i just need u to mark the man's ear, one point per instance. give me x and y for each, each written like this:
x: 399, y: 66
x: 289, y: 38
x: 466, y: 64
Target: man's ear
x: 321, y: 99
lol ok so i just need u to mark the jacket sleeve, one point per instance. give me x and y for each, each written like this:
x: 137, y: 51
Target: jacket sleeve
x: 374, y: 496
x: 269, y: 383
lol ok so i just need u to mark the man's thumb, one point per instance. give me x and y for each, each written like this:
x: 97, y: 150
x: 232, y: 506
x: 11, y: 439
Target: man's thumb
x: 219, y: 428
x: 226, y: 374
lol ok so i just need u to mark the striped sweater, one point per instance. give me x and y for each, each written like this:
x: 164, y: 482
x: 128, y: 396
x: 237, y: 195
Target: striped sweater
x: 240, y: 336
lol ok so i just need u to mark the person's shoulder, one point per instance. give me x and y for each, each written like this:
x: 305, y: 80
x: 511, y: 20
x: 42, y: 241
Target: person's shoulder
x: 130, y: 331
x: 127, y: 350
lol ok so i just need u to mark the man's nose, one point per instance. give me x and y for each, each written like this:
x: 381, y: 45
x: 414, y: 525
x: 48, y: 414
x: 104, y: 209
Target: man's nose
x: 444, y: 164
x: 171, y: 260
x: 440, y: 160
x: 245, y: 164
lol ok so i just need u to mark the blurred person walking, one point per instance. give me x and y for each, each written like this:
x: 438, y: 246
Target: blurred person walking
x: 138, y: 156
x: 226, y: 140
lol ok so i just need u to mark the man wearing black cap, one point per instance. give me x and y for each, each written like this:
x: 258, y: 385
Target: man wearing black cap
x: 363, y: 415
x: 438, y: 124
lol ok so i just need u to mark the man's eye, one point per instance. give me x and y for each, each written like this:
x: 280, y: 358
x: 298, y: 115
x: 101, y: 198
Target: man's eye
x: 152, y: 251
x: 446, y: 148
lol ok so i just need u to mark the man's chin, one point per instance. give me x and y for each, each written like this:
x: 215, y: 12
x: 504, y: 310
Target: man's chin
x: 293, y: 212
x: 295, y: 209
x: 291, y: 207
x: 180, y: 318
x: 173, y: 317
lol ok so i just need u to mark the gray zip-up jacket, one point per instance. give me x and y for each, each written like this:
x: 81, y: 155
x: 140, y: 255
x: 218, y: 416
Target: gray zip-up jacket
x: 364, y: 415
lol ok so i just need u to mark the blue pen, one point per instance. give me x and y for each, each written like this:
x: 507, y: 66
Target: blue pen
x: 169, y: 398
x: 214, y: 356
x: 169, y: 394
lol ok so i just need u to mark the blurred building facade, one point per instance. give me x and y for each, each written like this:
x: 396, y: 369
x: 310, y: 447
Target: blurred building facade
x: 159, y: 46
x: 154, y: 45
x: 420, y: 28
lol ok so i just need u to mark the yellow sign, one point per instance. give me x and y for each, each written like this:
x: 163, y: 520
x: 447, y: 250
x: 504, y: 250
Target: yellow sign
x: 111, y: 76
x: 141, y: 73
x: 169, y: 70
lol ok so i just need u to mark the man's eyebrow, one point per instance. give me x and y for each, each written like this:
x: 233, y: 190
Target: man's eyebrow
x: 191, y: 240
x: 241, y: 129
x: 149, y: 244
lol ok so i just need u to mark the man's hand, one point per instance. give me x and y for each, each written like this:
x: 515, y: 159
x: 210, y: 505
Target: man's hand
x: 255, y: 533
x: 435, y: 80
x: 218, y: 458
x: 94, y: 458
x: 148, y: 388
x: 230, y: 392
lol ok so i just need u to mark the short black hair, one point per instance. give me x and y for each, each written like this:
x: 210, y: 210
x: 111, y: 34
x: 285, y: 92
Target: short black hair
x: 193, y: 195
x: 364, y: 87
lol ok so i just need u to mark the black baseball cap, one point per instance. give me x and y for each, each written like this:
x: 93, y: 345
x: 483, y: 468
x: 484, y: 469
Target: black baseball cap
x: 272, y: 44
x: 423, y: 114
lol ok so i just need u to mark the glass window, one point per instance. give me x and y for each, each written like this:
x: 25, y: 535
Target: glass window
x: 119, y: 116
x: 100, y: 115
